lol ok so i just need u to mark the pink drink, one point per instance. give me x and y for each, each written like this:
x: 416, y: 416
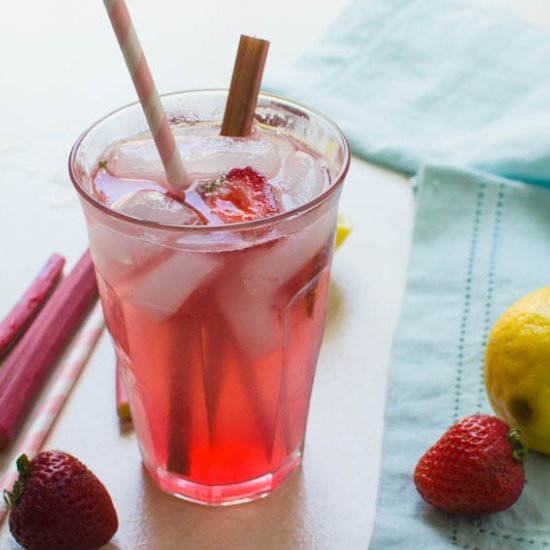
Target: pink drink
x: 217, y: 326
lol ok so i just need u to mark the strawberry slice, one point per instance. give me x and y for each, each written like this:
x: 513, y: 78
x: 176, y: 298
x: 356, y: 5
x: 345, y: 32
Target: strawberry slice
x: 243, y: 194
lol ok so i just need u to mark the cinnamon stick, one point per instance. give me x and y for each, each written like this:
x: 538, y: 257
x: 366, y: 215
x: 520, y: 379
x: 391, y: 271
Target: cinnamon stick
x: 26, y: 369
x: 25, y: 310
x: 245, y: 86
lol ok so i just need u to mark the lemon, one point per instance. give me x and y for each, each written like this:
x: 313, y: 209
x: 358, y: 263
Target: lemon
x: 343, y: 229
x: 517, y: 368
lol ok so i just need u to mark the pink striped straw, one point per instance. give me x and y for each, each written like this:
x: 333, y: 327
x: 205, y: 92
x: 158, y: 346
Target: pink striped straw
x: 50, y: 408
x: 147, y: 93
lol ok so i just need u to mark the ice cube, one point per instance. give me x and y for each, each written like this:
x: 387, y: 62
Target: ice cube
x: 250, y: 300
x: 284, y: 142
x: 204, y: 156
x: 252, y: 316
x: 274, y: 265
x: 163, y: 288
x: 162, y: 278
x: 119, y: 250
x: 116, y: 253
x: 301, y: 179
x: 135, y: 159
x: 156, y: 206
x: 219, y: 154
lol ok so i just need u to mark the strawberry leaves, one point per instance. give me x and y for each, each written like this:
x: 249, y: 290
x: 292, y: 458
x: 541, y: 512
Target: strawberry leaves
x: 12, y: 498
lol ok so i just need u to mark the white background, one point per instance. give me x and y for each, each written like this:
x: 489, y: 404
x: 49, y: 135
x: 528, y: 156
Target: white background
x: 60, y: 70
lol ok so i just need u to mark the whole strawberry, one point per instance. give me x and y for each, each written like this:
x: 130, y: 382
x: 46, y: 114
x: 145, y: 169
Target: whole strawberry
x: 58, y: 504
x: 475, y: 469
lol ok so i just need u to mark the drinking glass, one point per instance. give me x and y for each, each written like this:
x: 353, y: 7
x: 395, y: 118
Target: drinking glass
x: 217, y: 329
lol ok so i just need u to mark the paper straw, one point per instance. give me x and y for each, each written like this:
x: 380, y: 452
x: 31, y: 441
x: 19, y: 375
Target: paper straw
x: 50, y: 408
x: 147, y: 93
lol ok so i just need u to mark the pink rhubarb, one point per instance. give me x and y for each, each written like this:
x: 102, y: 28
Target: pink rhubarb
x: 27, y: 367
x: 22, y: 314
x: 122, y: 405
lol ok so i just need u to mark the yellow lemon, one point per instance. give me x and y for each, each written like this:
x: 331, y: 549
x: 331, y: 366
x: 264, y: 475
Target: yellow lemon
x: 343, y: 229
x: 517, y: 368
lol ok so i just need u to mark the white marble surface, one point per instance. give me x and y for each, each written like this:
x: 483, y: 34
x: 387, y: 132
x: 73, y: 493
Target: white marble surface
x: 60, y: 71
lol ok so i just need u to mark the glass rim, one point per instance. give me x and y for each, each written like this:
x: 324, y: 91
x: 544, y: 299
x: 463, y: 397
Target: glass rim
x: 319, y: 199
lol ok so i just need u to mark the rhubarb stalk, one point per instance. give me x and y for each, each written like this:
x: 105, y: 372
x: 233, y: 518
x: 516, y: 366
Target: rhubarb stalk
x: 245, y: 87
x: 122, y: 405
x: 22, y: 314
x: 237, y: 122
x: 31, y: 361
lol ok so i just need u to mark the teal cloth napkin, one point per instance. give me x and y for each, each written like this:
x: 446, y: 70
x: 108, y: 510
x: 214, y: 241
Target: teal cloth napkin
x: 425, y: 87
x: 455, y: 81
x: 480, y: 242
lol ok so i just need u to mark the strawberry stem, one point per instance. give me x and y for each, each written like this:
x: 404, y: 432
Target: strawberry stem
x: 519, y: 451
x: 24, y: 468
x: 213, y: 186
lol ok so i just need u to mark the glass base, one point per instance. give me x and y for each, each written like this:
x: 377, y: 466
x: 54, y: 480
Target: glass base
x: 224, y: 495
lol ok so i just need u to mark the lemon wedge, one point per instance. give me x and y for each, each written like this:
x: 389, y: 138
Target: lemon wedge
x: 343, y: 229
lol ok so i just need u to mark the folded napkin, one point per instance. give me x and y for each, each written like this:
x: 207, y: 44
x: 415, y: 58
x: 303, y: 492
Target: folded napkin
x: 412, y: 81
x: 480, y: 243
x: 425, y: 87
